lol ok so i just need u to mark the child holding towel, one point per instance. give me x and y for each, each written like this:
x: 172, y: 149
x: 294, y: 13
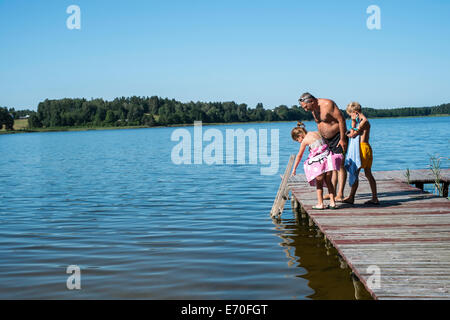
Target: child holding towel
x: 361, y: 127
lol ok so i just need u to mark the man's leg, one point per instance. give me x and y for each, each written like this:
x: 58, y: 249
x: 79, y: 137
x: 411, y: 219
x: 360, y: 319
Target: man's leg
x: 342, y: 178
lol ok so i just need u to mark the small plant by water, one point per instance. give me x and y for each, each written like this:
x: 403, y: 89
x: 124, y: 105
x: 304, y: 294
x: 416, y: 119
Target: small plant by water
x: 408, y: 176
x: 435, y: 167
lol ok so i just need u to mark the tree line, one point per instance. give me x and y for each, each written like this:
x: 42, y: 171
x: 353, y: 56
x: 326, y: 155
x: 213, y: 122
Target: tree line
x: 156, y: 111
x: 153, y: 111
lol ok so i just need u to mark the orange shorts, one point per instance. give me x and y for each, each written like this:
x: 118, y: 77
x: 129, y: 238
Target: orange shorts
x: 365, y: 152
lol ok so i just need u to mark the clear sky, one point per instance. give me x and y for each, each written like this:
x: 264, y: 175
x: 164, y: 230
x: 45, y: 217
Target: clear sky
x: 246, y: 51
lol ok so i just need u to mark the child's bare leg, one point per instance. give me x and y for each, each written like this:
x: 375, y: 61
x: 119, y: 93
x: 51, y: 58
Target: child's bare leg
x: 373, y: 184
x: 334, y: 181
x: 319, y: 187
x: 351, y: 197
x: 330, y: 187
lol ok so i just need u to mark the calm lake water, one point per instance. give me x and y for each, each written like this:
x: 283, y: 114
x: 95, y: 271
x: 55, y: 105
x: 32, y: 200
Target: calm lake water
x: 139, y: 226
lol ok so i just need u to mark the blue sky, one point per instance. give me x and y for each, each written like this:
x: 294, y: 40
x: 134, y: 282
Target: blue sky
x: 246, y: 51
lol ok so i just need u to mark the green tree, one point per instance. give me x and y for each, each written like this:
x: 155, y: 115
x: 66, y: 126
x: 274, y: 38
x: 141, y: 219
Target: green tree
x: 148, y: 120
x: 34, y: 121
x: 6, y: 119
x: 110, y: 118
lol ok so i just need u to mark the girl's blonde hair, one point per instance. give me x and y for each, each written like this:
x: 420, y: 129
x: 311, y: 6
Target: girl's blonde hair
x: 298, y: 131
x: 353, y: 107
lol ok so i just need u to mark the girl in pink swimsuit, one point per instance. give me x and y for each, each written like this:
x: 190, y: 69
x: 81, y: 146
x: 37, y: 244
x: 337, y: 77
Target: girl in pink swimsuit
x: 319, y: 165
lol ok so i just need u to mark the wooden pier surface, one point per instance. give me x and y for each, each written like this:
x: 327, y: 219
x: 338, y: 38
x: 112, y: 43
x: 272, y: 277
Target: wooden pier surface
x: 407, y: 236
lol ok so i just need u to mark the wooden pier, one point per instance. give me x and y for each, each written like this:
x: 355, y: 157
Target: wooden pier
x: 399, y: 249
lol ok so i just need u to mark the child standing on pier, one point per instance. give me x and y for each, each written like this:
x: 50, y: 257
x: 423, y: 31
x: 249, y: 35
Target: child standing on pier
x: 320, y: 164
x: 361, y: 127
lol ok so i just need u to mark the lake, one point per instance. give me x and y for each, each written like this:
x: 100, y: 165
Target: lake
x: 139, y: 226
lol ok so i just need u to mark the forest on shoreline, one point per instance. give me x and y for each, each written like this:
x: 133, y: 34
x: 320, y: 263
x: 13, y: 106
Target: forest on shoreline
x: 156, y: 111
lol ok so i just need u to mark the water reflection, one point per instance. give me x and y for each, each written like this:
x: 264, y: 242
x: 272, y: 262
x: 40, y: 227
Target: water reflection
x: 306, y: 248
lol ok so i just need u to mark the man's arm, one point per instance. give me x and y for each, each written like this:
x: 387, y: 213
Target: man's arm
x: 337, y: 114
x: 315, y: 118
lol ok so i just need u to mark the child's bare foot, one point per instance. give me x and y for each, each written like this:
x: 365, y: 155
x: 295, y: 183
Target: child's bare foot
x: 372, y: 201
x: 349, y: 200
x: 327, y: 197
x: 339, y: 199
x: 319, y: 206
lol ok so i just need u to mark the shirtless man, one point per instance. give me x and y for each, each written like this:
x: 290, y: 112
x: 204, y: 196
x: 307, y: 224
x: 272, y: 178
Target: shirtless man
x: 332, y: 128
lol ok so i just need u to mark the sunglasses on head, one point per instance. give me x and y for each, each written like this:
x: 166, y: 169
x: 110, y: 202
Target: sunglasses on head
x: 303, y: 100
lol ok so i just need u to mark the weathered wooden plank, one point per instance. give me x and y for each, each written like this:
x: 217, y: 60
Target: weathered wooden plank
x: 391, y: 256
x: 420, y: 175
x: 335, y: 222
x: 405, y: 297
x: 404, y: 247
x: 298, y: 179
x: 374, y: 212
x: 439, y: 285
x: 424, y: 293
x: 393, y: 285
x: 411, y: 271
x: 389, y: 233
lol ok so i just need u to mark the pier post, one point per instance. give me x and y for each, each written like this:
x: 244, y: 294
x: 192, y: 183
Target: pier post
x: 303, y: 212
x: 343, y: 264
x: 360, y: 291
x: 358, y: 286
x: 328, y: 246
x: 319, y: 233
x: 295, y: 204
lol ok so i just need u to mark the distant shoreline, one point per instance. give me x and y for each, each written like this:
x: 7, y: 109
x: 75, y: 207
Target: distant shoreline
x: 63, y: 129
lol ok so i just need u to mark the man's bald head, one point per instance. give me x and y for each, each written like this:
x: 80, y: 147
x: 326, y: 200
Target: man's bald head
x: 307, y: 101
